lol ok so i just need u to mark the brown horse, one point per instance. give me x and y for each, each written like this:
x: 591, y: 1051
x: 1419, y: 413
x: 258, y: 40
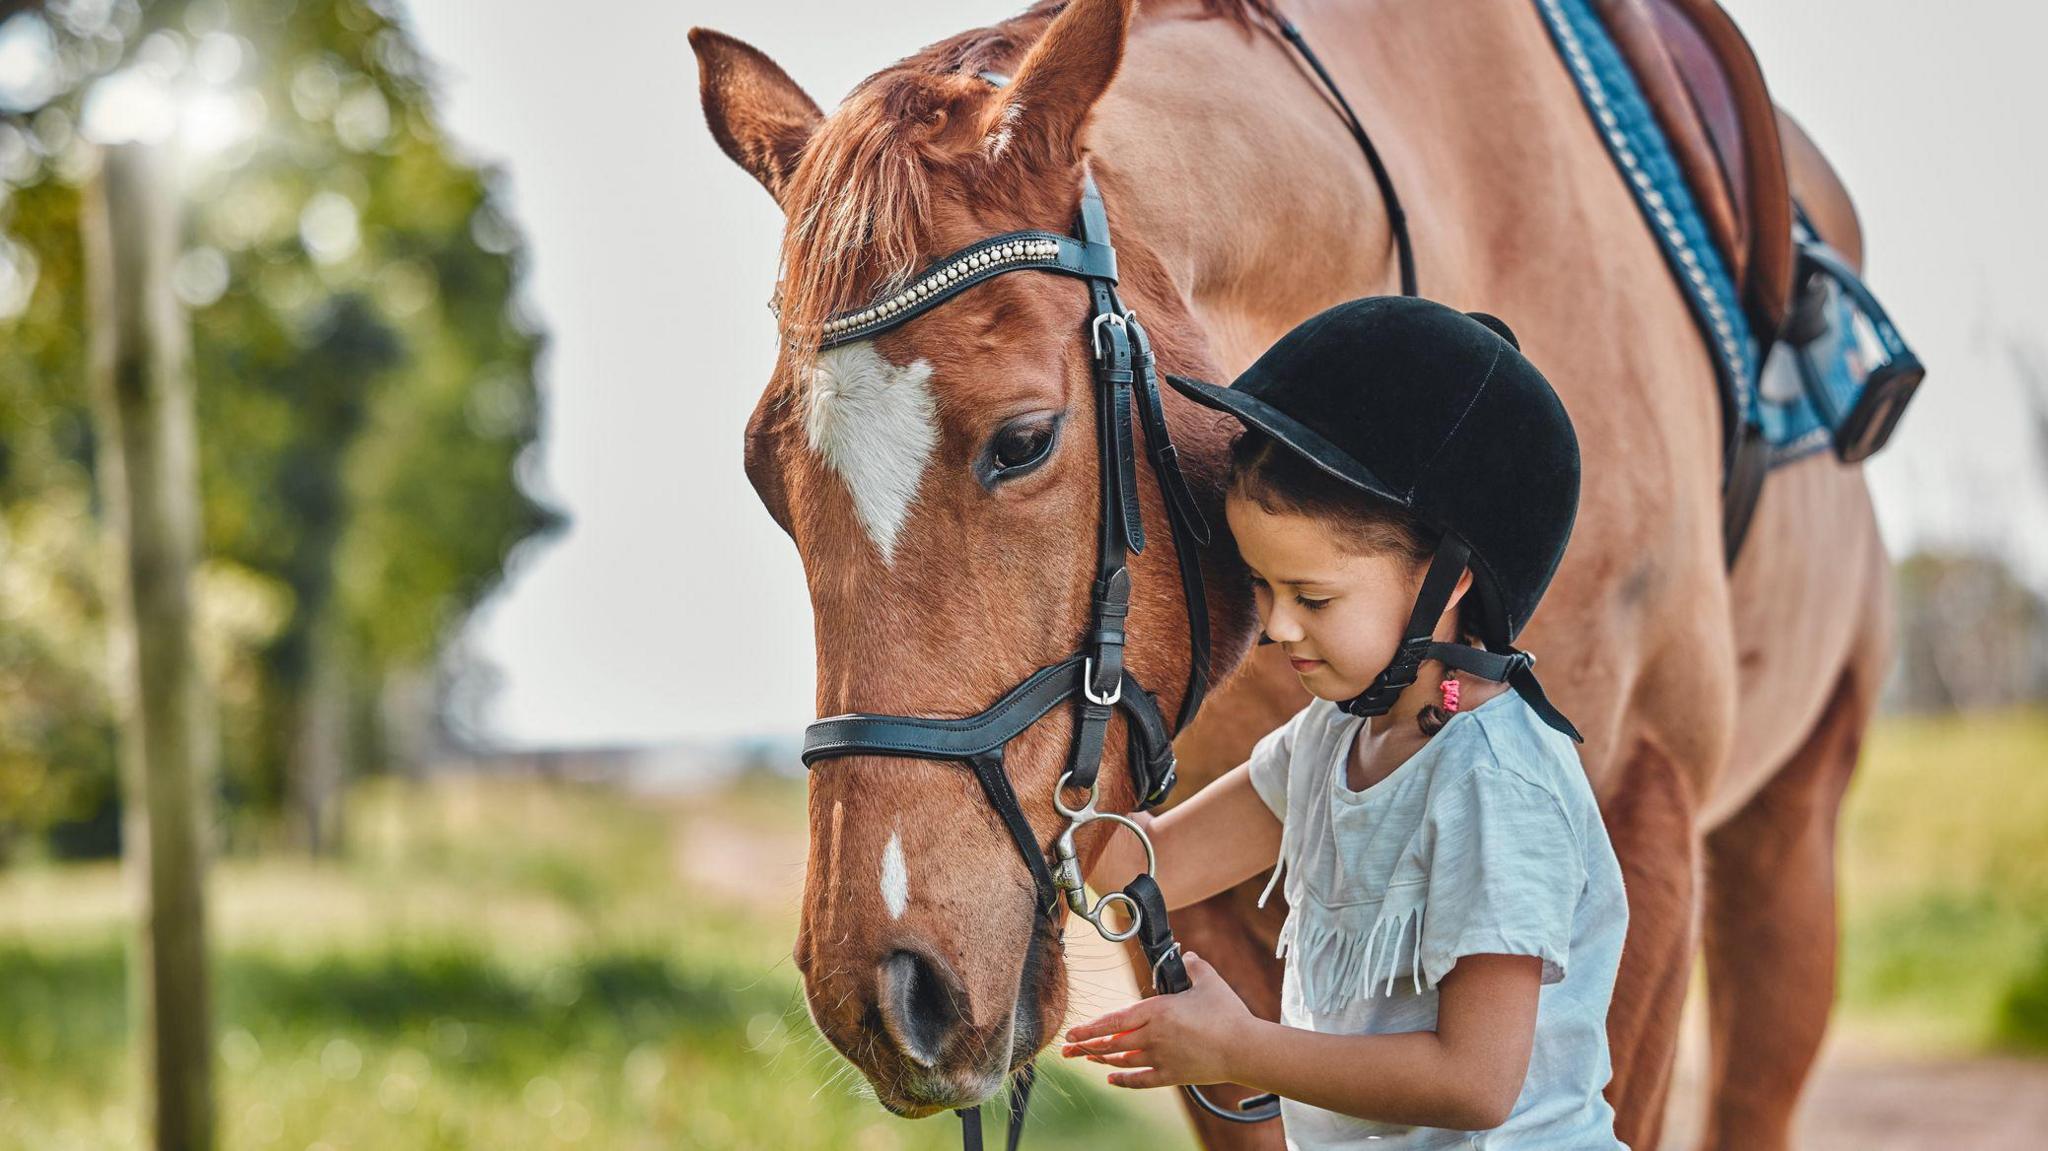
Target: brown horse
x: 1722, y: 711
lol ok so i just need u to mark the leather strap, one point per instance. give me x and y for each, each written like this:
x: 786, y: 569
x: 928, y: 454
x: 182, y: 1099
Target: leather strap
x: 1072, y: 258
x: 1184, y: 521
x: 1397, y: 220
x: 1114, y: 375
x: 865, y: 733
x: 995, y: 784
x: 1742, y: 483
x: 1418, y: 637
x: 1020, y: 1099
x: 1170, y: 977
x: 1512, y: 667
x: 924, y: 737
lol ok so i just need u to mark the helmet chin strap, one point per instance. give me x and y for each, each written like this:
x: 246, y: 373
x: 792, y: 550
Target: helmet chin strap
x: 1419, y: 643
x: 1418, y: 640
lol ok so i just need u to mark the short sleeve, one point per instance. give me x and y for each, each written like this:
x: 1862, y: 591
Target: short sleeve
x: 1505, y: 873
x: 1270, y: 759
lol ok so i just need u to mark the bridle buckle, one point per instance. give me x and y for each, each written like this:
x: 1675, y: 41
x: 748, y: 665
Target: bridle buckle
x: 1088, y: 685
x: 1095, y: 329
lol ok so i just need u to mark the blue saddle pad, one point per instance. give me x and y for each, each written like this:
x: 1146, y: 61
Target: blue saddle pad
x: 1800, y: 410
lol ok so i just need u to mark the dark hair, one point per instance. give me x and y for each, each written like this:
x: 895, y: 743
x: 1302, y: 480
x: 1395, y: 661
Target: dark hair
x: 1284, y: 482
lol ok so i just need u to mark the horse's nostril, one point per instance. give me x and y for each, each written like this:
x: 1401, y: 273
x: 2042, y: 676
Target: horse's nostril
x: 922, y: 1003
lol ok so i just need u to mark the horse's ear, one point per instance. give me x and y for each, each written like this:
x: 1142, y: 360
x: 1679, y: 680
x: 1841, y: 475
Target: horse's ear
x: 1038, y: 121
x: 757, y: 113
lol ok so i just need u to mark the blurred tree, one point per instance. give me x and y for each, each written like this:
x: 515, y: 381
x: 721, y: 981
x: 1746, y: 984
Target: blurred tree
x: 367, y: 387
x: 1971, y: 634
x: 149, y: 484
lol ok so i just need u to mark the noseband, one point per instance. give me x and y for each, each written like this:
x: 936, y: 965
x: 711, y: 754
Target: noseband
x: 1095, y: 677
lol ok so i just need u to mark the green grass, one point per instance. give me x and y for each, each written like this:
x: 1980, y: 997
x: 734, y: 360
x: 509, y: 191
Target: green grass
x: 1944, y: 883
x: 496, y: 966
x: 506, y: 965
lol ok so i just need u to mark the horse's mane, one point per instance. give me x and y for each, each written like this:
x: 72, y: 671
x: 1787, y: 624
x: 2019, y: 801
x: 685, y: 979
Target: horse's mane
x: 859, y: 199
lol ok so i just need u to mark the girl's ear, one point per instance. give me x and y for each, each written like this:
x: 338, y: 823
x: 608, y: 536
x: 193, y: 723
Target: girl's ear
x: 1464, y: 585
x: 1451, y: 608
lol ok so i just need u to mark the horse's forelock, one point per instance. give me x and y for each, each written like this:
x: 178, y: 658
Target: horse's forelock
x: 860, y: 200
x: 860, y: 207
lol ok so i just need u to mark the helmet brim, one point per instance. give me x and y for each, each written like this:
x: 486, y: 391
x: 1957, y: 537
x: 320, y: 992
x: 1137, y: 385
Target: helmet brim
x: 1296, y: 436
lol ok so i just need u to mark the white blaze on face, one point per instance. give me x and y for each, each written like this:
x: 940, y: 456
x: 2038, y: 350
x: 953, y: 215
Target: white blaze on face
x: 874, y: 423
x: 895, y: 878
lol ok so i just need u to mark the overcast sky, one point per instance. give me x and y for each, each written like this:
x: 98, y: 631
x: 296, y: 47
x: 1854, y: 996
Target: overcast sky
x: 673, y: 608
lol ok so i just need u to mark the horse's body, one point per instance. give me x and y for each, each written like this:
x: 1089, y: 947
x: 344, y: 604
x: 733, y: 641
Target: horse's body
x: 1722, y: 710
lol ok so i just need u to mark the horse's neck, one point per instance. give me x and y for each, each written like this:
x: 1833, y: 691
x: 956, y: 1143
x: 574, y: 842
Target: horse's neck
x: 1258, y: 202
x: 1247, y: 207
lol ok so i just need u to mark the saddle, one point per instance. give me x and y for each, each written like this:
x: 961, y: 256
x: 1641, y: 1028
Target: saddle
x: 1704, y: 85
x: 1810, y: 318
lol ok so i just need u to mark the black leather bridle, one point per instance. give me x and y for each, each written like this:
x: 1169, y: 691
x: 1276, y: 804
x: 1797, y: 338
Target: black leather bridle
x: 1095, y: 677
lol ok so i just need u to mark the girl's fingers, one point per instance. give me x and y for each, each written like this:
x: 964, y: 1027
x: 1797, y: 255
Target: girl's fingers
x: 1130, y: 1018
x: 1122, y: 1059
x: 1149, y: 1077
x: 1094, y: 1046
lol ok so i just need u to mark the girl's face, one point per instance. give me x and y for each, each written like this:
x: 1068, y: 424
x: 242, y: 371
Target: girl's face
x: 1339, y: 616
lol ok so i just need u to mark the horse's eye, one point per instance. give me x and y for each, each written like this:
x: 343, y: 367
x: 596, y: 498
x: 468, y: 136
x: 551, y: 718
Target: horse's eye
x: 1022, y: 444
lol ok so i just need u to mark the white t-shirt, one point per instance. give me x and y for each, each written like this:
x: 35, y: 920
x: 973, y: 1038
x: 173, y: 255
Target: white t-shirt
x: 1487, y: 840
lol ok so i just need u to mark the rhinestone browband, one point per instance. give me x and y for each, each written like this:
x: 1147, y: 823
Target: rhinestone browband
x: 947, y: 277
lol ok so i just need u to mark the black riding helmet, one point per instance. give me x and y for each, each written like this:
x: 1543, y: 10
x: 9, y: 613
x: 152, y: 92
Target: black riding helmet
x: 1438, y: 411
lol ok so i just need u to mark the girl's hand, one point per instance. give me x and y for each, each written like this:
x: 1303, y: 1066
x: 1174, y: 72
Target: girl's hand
x: 1184, y: 1038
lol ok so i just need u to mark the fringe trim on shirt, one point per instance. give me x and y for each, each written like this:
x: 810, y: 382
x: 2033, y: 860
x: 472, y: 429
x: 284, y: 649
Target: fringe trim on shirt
x: 1279, y: 864
x: 1337, y: 959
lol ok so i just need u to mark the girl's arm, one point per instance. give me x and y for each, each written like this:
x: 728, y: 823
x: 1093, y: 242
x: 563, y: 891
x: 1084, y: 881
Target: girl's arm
x: 1464, y: 1075
x: 1223, y: 835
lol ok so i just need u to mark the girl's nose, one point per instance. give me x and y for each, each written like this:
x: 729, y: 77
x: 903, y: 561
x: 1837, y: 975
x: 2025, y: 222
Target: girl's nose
x: 1281, y: 627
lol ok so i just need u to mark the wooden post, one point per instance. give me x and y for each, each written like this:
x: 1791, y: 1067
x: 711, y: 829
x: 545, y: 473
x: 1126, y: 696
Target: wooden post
x: 149, y: 484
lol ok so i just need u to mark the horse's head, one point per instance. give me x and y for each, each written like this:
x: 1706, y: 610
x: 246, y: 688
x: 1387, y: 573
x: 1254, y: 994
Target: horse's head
x: 940, y: 481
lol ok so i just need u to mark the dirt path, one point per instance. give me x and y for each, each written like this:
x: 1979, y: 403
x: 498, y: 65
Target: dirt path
x: 1860, y: 1100
x: 1857, y: 1100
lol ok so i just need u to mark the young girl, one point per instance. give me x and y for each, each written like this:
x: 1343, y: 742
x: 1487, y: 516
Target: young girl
x: 1407, y: 481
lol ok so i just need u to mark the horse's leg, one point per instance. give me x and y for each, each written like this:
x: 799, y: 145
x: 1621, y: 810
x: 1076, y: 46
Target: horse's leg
x: 1770, y: 929
x: 1235, y: 935
x: 1650, y: 821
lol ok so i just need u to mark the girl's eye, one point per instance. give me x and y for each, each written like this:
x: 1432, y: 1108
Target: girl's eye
x: 1022, y: 444
x: 1312, y: 604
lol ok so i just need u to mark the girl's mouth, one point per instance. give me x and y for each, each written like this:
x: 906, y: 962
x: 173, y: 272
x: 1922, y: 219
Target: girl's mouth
x: 1304, y: 665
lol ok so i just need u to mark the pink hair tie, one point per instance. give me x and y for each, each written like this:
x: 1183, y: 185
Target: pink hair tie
x: 1449, y: 687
